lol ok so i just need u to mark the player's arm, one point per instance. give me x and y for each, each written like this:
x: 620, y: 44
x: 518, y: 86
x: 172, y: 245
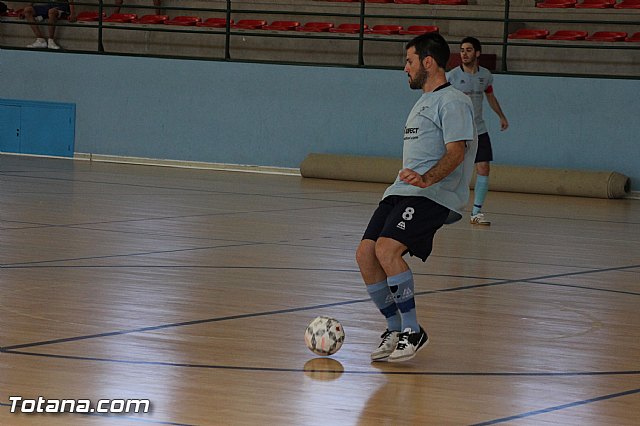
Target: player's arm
x: 443, y: 168
x: 495, y: 106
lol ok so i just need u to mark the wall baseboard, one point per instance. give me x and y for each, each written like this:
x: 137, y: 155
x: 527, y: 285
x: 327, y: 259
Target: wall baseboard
x: 187, y: 164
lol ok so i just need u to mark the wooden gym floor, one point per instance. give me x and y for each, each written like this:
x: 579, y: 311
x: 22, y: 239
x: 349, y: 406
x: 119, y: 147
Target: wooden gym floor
x: 192, y: 288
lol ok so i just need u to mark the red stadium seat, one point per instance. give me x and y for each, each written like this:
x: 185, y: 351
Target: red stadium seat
x: 628, y: 4
x: 529, y: 34
x: 449, y: 2
x: 122, y: 18
x: 420, y: 29
x: 411, y: 1
x: 635, y: 37
x: 186, y: 21
x: 214, y: 23
x: 14, y: 13
x: 595, y: 4
x: 153, y: 19
x: 557, y: 4
x: 250, y: 24
x: 282, y: 26
x: 89, y: 16
x: 386, y: 29
x: 607, y: 36
x: 568, y: 35
x: 348, y: 28
x: 379, y: 1
x: 316, y: 27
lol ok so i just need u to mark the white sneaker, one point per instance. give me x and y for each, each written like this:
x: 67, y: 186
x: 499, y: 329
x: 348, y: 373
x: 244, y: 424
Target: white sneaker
x: 40, y: 43
x: 51, y: 44
x: 479, y: 219
x: 386, y: 347
x: 408, y: 345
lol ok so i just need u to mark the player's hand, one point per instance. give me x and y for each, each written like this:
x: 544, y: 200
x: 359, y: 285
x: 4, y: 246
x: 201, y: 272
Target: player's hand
x: 504, y: 124
x: 412, y: 178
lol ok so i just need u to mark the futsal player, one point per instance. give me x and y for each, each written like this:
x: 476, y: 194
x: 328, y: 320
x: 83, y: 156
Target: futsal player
x: 439, y: 147
x: 477, y: 82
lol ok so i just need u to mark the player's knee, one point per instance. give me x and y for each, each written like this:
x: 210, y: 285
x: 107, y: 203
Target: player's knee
x: 388, y: 251
x: 483, y: 169
x: 53, y: 14
x: 365, y: 253
x: 28, y: 12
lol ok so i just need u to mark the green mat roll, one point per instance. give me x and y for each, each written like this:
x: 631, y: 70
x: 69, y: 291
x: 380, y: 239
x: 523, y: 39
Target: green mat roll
x: 533, y: 180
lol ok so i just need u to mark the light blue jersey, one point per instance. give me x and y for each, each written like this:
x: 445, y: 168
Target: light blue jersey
x: 438, y: 118
x: 475, y: 86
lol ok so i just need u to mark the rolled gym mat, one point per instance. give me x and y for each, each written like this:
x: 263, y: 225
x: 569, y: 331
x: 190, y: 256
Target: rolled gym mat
x: 533, y: 180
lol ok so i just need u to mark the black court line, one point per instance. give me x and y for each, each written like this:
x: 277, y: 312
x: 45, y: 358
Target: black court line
x: 607, y: 290
x: 557, y: 408
x: 290, y: 310
x: 316, y: 370
x: 287, y: 195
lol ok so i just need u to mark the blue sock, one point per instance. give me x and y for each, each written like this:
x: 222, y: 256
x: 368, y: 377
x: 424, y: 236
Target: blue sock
x: 405, y: 301
x: 480, y: 193
x: 381, y: 296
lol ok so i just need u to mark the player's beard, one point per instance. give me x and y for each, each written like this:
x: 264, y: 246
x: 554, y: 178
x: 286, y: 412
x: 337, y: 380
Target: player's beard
x: 420, y: 79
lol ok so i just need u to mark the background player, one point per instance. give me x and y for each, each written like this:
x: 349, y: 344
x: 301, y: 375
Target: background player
x: 477, y: 82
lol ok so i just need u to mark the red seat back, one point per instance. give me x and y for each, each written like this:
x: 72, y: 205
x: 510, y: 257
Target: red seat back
x: 153, y: 19
x: 529, y: 34
x: 250, y: 24
x: 420, y: 29
x: 121, y: 17
x: 282, y: 26
x: 568, y: 35
x: 184, y: 20
x: 607, y: 36
x: 316, y: 27
x: 557, y: 3
x: 214, y: 23
x: 386, y: 29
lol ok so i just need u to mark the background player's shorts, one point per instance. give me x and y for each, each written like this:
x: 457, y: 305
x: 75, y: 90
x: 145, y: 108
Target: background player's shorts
x: 484, y: 149
x: 413, y: 221
x: 42, y: 9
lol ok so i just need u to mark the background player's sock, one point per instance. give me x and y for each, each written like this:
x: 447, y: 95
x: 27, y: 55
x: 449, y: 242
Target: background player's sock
x: 383, y: 299
x: 404, y: 299
x: 480, y: 193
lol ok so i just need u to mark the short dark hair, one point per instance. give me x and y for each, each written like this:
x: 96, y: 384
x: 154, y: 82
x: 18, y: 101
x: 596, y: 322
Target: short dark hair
x: 431, y: 44
x: 474, y: 42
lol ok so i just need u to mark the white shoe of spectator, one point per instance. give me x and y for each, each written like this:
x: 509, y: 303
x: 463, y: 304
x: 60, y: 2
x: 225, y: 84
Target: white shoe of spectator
x: 51, y: 44
x: 40, y: 43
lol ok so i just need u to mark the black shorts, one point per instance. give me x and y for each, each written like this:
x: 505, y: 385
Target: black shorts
x: 413, y: 221
x: 484, y: 149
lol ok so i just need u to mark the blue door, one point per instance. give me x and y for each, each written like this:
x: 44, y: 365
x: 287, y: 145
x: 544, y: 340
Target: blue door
x: 9, y: 128
x: 39, y: 128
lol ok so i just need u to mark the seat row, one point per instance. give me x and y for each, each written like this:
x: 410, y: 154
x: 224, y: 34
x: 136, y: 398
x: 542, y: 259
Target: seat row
x: 589, y: 4
x: 539, y: 34
x: 443, y: 2
x: 254, y: 24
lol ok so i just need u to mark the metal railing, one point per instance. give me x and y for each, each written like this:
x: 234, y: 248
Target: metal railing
x: 501, y: 41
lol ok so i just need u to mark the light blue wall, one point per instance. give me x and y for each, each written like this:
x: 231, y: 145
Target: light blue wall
x: 275, y: 115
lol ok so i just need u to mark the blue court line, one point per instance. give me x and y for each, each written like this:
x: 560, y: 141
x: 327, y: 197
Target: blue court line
x: 109, y: 416
x: 557, y: 408
x: 351, y: 372
x: 290, y: 310
x: 229, y: 318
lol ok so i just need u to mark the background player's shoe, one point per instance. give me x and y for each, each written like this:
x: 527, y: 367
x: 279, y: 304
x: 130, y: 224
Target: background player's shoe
x: 386, y: 347
x: 479, y: 219
x: 408, y: 345
x: 40, y: 43
x: 51, y: 44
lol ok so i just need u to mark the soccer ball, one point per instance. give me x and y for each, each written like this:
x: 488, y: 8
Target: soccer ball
x: 324, y: 335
